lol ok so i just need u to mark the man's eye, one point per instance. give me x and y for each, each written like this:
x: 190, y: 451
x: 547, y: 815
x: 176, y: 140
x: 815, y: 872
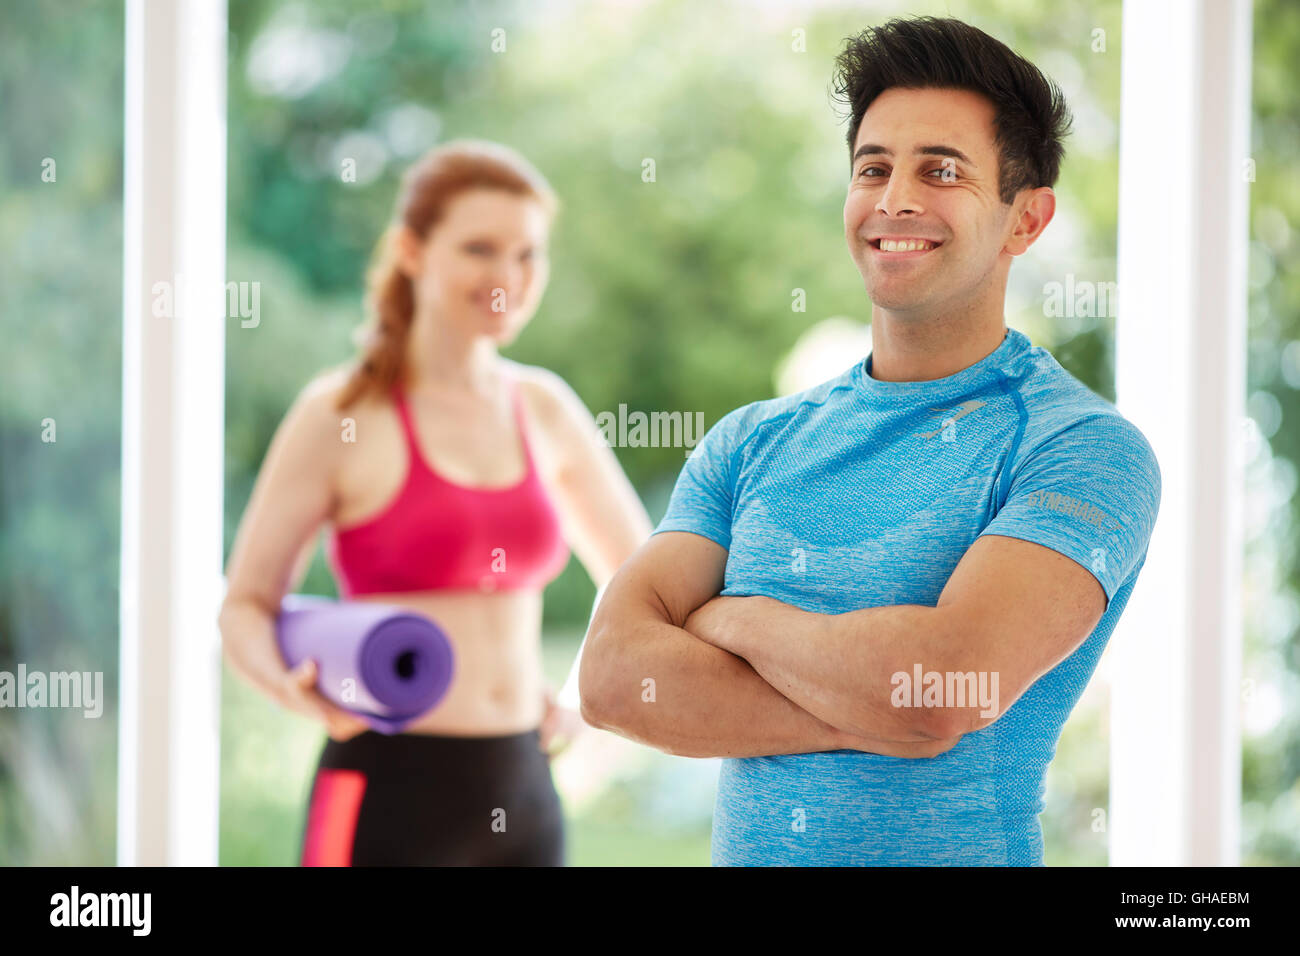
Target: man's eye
x: 944, y: 173
x: 869, y: 169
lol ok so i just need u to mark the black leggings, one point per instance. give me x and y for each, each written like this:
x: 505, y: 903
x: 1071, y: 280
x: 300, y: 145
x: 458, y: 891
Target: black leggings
x: 421, y: 800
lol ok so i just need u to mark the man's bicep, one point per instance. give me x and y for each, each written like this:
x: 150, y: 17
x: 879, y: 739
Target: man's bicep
x: 1092, y: 494
x: 674, y: 571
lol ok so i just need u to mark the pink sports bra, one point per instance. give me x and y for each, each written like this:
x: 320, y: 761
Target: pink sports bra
x: 437, y: 535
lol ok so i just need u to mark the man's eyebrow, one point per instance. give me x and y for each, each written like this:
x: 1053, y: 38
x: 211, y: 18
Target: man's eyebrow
x: 938, y: 149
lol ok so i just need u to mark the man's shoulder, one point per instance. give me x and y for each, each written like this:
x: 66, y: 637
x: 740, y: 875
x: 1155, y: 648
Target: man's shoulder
x: 1064, y: 417
x: 1057, y: 403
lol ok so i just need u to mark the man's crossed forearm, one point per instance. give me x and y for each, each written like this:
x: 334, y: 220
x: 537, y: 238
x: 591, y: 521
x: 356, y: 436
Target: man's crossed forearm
x: 838, y: 667
x: 670, y: 688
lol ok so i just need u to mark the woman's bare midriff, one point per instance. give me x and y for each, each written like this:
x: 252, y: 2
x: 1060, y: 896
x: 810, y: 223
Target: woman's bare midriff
x: 497, y: 681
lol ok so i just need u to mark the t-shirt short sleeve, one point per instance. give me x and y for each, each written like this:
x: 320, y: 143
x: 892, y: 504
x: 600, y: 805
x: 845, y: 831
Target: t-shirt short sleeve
x: 1090, y: 492
x: 702, y: 498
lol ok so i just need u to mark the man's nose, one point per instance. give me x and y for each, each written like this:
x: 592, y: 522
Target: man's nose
x: 899, y: 196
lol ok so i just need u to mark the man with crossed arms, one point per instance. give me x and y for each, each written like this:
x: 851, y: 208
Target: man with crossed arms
x: 880, y: 598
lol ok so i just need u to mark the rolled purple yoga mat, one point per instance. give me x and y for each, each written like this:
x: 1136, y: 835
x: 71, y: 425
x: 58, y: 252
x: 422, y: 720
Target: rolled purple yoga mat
x: 388, y: 665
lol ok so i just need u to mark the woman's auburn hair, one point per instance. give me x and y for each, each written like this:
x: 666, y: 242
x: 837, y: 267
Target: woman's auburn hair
x: 427, y: 188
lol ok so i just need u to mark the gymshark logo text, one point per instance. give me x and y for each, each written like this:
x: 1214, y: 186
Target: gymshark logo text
x: 1055, y: 501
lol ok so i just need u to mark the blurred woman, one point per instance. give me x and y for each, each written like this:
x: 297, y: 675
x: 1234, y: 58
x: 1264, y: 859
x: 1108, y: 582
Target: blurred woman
x: 454, y: 482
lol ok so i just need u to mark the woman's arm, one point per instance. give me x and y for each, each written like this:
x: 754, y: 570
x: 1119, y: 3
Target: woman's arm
x: 292, y: 496
x: 602, y: 515
x: 603, y: 518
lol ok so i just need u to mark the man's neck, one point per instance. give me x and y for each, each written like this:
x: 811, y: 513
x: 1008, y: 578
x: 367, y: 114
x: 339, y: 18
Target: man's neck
x: 908, y: 349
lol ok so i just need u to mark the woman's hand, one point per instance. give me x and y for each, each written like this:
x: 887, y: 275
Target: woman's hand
x: 559, y: 725
x: 299, y: 694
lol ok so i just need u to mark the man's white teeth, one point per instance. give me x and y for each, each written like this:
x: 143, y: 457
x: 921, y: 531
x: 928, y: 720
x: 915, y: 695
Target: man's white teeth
x: 907, y: 245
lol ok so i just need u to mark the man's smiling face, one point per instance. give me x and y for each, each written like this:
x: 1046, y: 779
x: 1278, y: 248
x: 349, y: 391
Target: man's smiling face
x: 925, y: 167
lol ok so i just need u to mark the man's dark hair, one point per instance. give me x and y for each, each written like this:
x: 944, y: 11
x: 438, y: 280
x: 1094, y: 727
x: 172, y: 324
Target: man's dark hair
x: 1030, y: 114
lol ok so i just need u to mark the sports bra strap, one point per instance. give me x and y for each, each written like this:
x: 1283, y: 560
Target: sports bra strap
x: 519, y: 423
x: 413, y: 445
x: 404, y: 413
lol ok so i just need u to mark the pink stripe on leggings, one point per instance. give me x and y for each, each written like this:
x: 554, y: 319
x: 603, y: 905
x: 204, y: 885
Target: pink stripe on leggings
x: 332, y: 817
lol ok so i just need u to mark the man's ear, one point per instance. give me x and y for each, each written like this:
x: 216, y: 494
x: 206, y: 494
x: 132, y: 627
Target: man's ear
x: 1037, y: 207
x: 409, y: 249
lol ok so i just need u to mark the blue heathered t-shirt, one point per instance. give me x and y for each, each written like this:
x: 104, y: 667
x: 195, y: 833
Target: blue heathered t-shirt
x: 862, y: 493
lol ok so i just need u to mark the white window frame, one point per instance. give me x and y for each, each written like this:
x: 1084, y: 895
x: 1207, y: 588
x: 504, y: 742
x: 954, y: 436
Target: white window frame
x: 1175, y: 734
x: 173, y: 398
